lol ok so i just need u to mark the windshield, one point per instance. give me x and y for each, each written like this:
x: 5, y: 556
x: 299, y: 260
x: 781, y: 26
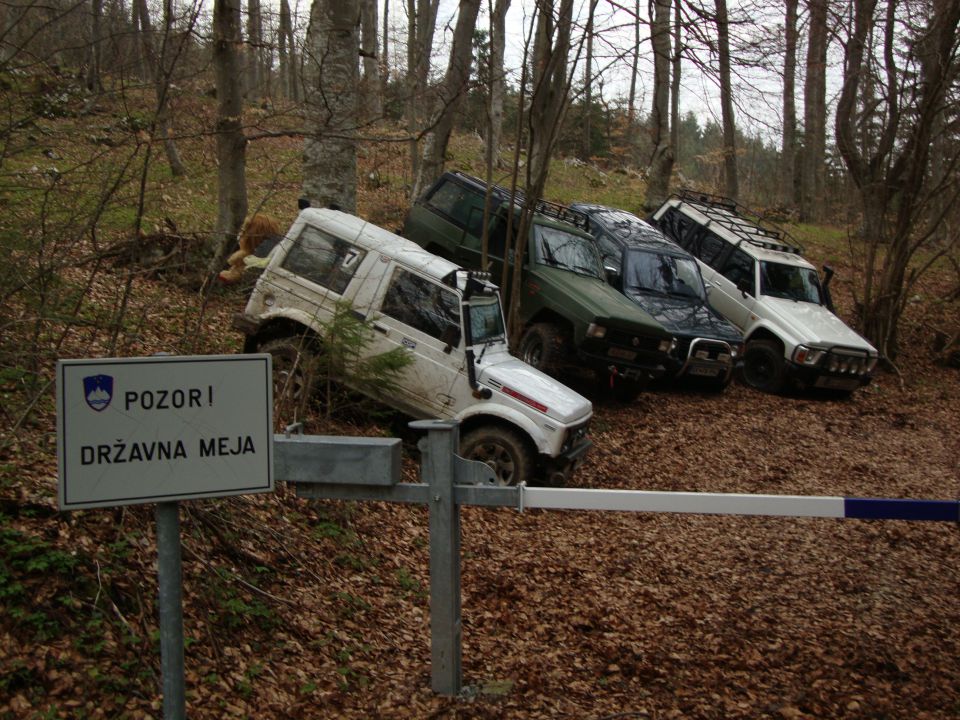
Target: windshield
x: 486, y: 320
x: 558, y: 248
x: 662, y: 273
x: 790, y: 282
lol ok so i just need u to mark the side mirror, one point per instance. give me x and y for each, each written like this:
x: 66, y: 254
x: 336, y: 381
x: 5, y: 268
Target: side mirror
x: 450, y: 337
x: 612, y: 275
x: 707, y: 287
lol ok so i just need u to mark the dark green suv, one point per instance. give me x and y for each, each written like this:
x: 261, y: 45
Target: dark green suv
x: 571, y: 316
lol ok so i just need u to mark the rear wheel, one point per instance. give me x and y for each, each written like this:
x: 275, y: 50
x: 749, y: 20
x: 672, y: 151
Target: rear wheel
x: 543, y: 346
x: 294, y: 378
x: 503, y: 450
x: 763, y: 366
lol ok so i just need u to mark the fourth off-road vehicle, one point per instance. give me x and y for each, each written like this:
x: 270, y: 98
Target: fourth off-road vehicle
x: 763, y: 285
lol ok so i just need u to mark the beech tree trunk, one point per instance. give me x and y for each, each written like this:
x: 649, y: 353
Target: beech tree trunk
x: 498, y: 40
x: 331, y: 76
x: 812, y: 170
x: 789, y: 147
x: 450, y: 95
x: 231, y: 141
x: 371, y: 87
x: 731, y: 182
x: 661, y: 161
x: 421, y: 21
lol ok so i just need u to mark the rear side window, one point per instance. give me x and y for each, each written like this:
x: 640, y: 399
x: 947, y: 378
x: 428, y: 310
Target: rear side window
x: 462, y: 205
x: 709, y: 248
x: 692, y: 237
x: 323, y: 259
x: 609, y: 250
x: 422, y: 304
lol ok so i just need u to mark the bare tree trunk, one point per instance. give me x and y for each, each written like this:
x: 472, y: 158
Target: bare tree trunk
x: 451, y: 93
x: 814, y: 115
x: 254, y: 74
x: 548, y: 104
x: 731, y: 182
x: 634, y: 65
x: 331, y: 74
x: 498, y: 40
x: 96, y: 46
x: 231, y: 141
x: 385, y: 54
x: 371, y: 85
x: 587, y: 140
x: 422, y: 20
x: 789, y: 147
x: 675, y: 83
x: 661, y: 162
x: 156, y: 64
x: 289, y: 77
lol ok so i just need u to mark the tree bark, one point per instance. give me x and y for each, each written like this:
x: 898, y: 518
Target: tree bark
x: 96, y: 46
x: 789, y: 146
x: 587, y: 140
x: 498, y: 40
x: 450, y: 95
x: 331, y: 75
x: 675, y: 82
x: 814, y: 115
x: 369, y: 42
x: 631, y: 134
x: 731, y: 182
x: 661, y: 162
x: 422, y: 19
x: 289, y: 71
x: 231, y: 141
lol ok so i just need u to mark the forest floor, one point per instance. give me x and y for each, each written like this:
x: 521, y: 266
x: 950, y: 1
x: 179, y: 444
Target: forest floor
x: 297, y: 608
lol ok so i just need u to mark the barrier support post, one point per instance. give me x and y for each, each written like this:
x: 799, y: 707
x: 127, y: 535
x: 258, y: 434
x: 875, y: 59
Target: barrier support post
x: 439, y: 448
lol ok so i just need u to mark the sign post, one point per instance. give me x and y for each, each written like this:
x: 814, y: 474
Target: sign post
x: 160, y: 430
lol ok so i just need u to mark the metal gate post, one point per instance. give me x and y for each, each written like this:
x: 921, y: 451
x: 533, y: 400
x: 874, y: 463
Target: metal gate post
x: 439, y: 448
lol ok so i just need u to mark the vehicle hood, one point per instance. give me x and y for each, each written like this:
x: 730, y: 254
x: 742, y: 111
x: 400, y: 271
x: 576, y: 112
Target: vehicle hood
x: 503, y: 370
x: 598, y: 299
x: 687, y: 317
x: 816, y: 325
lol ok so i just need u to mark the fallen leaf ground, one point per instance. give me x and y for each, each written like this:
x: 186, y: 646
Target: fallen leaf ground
x: 319, y: 609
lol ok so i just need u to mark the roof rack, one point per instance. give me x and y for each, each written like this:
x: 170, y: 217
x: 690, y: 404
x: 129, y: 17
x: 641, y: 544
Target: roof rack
x: 544, y: 207
x: 744, y: 223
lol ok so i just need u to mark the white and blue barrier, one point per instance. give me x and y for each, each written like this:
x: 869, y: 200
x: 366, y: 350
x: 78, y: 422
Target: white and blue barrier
x: 740, y: 504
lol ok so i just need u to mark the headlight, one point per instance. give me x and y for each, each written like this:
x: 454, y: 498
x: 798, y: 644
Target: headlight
x: 807, y: 356
x: 596, y: 331
x: 667, y: 346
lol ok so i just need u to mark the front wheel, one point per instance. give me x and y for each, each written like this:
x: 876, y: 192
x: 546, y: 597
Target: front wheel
x: 763, y: 366
x: 542, y: 346
x: 294, y: 378
x: 503, y: 450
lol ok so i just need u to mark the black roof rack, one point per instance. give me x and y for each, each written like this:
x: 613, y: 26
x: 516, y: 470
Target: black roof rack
x: 746, y: 224
x: 544, y: 207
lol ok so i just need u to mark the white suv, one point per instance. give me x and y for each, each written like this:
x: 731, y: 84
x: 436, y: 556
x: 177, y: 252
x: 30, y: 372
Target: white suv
x: 760, y: 282
x: 524, y: 424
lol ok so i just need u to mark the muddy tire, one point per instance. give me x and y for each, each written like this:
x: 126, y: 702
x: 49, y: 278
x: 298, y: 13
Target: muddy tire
x: 294, y: 378
x: 544, y: 347
x: 763, y: 366
x: 502, y: 449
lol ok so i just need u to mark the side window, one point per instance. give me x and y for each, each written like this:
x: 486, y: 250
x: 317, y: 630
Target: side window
x: 739, y: 268
x: 323, y: 259
x: 421, y: 304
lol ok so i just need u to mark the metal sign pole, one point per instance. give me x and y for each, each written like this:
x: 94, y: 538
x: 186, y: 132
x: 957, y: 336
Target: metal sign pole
x: 167, y: 515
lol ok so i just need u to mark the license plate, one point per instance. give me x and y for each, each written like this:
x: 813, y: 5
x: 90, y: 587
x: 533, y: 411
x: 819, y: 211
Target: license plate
x: 837, y: 383
x: 704, y: 371
x: 621, y: 353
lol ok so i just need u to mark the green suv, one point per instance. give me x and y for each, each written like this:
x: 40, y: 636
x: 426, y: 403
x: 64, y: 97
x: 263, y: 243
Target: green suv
x: 571, y: 316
